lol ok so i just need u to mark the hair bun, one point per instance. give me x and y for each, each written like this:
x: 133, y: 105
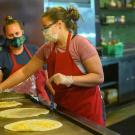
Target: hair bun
x: 8, y: 18
x: 73, y: 13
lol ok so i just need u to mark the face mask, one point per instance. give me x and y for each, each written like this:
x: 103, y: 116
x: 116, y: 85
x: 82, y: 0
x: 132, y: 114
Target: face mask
x: 49, y: 36
x: 17, y: 41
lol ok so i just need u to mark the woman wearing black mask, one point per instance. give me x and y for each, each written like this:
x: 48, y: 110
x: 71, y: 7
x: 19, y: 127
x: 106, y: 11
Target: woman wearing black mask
x: 16, y: 52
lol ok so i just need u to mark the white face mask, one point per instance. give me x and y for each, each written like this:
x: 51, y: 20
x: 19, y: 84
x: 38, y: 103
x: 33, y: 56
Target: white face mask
x: 49, y: 36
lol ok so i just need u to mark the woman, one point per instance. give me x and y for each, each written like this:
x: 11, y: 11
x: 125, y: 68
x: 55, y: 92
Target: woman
x: 16, y: 54
x: 74, y: 67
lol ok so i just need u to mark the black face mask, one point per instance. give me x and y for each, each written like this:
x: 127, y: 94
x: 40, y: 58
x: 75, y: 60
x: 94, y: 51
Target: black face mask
x: 17, y: 41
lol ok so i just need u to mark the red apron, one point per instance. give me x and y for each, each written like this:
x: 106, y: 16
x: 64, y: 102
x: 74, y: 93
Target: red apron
x: 40, y: 78
x: 17, y: 66
x: 81, y: 101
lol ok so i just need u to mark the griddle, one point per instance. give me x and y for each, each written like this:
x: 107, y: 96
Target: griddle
x: 71, y: 124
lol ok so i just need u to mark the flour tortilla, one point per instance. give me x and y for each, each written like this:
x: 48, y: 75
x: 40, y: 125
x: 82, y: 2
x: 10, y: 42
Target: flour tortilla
x: 5, y: 104
x: 23, y: 112
x: 34, y: 125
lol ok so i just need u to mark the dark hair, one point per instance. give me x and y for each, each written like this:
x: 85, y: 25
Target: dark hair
x: 69, y: 16
x: 10, y: 20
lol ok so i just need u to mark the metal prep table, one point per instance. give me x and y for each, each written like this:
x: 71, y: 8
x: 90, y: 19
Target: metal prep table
x: 71, y: 125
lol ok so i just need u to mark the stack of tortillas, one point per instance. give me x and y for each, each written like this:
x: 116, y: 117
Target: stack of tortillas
x: 27, y: 125
x: 34, y: 125
x: 5, y: 104
x: 23, y: 112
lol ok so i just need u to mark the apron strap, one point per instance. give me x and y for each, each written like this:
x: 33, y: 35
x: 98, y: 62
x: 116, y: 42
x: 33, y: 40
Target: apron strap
x: 13, y: 58
x: 68, y: 41
x: 28, y: 52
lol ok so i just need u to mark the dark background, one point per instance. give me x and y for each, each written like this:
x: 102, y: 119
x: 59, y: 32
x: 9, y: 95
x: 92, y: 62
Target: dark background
x: 27, y: 11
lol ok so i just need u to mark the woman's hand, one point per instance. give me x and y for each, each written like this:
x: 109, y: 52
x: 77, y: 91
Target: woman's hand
x: 61, y: 79
x: 50, y: 88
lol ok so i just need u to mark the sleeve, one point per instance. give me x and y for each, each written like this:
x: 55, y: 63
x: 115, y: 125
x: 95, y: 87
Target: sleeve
x: 40, y: 53
x: 32, y: 48
x: 85, y: 49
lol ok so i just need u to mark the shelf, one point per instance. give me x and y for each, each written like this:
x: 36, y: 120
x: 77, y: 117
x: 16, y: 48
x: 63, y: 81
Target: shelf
x: 108, y: 84
x: 110, y: 107
x: 118, y: 24
x: 117, y: 9
x: 75, y: 1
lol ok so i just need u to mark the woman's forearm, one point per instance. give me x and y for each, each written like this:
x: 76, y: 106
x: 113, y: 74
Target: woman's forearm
x: 22, y: 74
x: 13, y: 80
x: 88, y: 80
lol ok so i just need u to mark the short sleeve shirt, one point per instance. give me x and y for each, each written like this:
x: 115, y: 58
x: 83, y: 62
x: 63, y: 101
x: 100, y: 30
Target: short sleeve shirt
x: 80, y: 50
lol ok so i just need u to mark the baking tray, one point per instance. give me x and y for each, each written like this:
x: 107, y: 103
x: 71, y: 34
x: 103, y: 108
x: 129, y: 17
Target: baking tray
x: 71, y: 124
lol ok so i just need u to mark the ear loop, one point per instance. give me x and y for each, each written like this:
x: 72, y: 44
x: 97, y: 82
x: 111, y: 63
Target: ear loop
x: 22, y: 32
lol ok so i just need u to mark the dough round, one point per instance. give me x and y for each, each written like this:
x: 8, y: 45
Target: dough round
x: 23, y: 112
x: 5, y: 104
x: 34, y: 125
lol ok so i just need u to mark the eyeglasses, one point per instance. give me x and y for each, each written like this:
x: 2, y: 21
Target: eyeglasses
x: 46, y: 27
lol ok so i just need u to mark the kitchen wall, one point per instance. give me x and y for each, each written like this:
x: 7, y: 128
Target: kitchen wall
x: 29, y: 12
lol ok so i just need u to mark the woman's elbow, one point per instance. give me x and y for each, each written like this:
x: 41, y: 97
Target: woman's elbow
x: 101, y: 79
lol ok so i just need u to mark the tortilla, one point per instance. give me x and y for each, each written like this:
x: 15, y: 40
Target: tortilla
x: 5, y: 104
x: 23, y: 112
x: 34, y: 125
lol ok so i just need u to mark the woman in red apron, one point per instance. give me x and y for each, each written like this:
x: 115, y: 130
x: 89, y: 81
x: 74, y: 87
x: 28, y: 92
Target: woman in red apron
x: 14, y: 51
x: 15, y: 47
x: 84, y: 99
x: 74, y: 67
x: 81, y: 101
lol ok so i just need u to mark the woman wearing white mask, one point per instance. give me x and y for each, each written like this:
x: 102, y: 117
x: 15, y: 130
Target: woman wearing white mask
x: 74, y: 67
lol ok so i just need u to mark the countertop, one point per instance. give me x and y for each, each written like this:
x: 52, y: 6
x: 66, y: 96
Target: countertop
x: 115, y: 59
x: 70, y: 125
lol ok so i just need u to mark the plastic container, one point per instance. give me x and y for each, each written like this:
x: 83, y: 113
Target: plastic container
x: 113, y: 50
x: 111, y: 96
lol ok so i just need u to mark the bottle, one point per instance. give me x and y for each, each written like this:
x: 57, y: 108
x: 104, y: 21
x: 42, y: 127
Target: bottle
x: 111, y: 39
x: 103, y: 41
x: 112, y: 4
x: 119, y: 4
x: 122, y: 19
